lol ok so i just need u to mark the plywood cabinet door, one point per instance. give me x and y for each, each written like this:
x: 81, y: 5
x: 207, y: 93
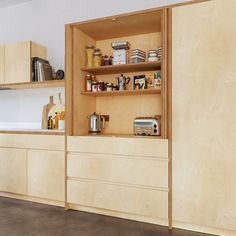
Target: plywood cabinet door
x: 13, y: 171
x: 17, y: 62
x: 1, y: 64
x: 46, y: 171
x: 204, y: 115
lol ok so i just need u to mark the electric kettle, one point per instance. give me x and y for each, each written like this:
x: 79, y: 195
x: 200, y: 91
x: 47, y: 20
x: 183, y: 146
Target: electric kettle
x: 96, y: 123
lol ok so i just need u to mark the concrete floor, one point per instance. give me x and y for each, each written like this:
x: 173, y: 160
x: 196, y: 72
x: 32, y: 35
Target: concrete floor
x: 21, y: 218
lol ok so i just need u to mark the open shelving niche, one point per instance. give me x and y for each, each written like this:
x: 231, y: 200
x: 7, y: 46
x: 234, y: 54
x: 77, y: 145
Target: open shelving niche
x: 32, y: 85
x: 144, y: 31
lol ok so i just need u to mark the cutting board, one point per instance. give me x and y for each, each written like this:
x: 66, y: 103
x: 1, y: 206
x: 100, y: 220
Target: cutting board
x: 45, y: 113
x: 56, y: 109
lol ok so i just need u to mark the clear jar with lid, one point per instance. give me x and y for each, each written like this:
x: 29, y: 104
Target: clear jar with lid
x: 89, y: 52
x: 101, y: 86
x: 106, y: 60
x: 97, y: 58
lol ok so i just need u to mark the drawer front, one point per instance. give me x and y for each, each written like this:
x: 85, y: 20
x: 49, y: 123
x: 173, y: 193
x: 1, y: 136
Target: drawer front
x: 149, y: 147
x: 144, y: 202
x: 132, y: 170
x: 13, y: 164
x: 48, y: 142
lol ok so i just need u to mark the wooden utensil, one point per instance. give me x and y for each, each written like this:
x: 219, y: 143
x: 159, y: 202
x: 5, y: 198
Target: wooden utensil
x: 45, y: 113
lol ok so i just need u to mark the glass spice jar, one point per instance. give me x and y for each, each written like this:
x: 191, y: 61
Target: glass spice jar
x: 97, y: 58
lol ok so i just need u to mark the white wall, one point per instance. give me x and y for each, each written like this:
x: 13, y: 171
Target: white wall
x: 43, y: 21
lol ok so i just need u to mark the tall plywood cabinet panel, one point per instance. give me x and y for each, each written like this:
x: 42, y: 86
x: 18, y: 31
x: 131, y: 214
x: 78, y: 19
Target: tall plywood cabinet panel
x: 204, y: 116
x: 18, y: 60
x: 1, y: 64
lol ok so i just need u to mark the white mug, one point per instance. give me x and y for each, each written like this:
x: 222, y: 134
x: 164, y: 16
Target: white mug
x: 61, y: 124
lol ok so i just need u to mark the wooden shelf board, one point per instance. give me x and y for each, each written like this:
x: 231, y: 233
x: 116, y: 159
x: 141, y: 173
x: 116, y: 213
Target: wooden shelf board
x: 33, y: 131
x: 122, y: 25
x: 31, y: 85
x: 135, y: 67
x: 123, y: 93
x: 122, y: 136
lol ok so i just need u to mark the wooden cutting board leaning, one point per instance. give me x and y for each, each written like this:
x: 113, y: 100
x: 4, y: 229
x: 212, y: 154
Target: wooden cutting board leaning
x: 52, y: 113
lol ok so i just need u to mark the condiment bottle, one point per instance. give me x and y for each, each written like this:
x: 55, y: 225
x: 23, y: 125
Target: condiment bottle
x: 89, y: 52
x: 106, y: 60
x: 56, y: 119
x: 103, y: 61
x: 94, y: 87
x: 88, y: 83
x: 111, y: 60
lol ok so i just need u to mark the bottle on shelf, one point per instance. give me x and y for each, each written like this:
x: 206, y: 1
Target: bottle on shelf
x: 88, y: 83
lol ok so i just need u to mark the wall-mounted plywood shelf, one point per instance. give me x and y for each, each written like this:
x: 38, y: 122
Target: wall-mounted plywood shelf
x: 123, y: 93
x: 31, y: 85
x: 113, y: 69
x: 32, y: 131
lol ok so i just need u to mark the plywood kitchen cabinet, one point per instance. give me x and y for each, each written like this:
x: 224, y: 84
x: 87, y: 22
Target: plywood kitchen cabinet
x: 204, y: 117
x: 13, y: 170
x: 1, y: 64
x: 32, y: 167
x: 104, y: 172
x: 46, y: 174
x: 17, y: 61
x: 118, y: 181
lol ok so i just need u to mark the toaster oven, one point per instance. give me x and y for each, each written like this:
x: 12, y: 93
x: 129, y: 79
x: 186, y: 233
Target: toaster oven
x: 147, y: 126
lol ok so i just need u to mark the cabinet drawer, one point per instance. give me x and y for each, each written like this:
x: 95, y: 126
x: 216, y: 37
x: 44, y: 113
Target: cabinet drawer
x: 48, y: 142
x: 149, y: 147
x: 13, y: 163
x: 131, y: 170
x: 145, y: 202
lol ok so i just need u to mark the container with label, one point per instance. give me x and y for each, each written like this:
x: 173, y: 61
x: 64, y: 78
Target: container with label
x: 94, y: 87
x: 88, y: 83
x: 109, y: 87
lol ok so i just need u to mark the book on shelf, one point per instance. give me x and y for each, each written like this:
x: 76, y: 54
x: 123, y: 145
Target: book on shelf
x: 41, y: 70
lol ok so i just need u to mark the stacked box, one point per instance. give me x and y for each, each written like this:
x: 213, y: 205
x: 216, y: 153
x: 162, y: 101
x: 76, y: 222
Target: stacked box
x: 137, y: 56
